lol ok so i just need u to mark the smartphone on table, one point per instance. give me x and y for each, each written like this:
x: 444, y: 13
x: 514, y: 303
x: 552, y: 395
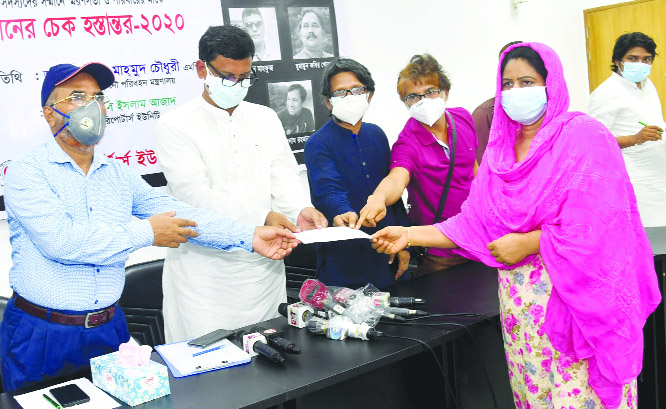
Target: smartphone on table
x: 211, y: 338
x: 69, y: 395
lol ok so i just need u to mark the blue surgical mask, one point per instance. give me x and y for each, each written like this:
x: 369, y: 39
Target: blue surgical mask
x: 525, y: 105
x: 225, y: 97
x: 86, y: 123
x: 635, y: 71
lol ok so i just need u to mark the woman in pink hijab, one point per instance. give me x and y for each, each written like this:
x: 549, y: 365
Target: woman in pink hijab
x: 552, y: 207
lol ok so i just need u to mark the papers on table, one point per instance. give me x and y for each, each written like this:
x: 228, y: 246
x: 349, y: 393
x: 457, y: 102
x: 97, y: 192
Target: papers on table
x: 98, y: 398
x: 330, y: 234
x: 184, y: 360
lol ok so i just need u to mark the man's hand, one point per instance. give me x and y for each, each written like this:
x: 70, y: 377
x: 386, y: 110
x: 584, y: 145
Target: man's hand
x: 273, y: 242
x: 310, y: 219
x: 279, y: 220
x: 346, y: 219
x: 511, y: 248
x: 373, y: 212
x: 403, y: 262
x: 390, y: 240
x: 170, y: 231
x: 648, y: 133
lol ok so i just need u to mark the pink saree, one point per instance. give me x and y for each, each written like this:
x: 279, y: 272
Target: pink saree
x: 574, y: 187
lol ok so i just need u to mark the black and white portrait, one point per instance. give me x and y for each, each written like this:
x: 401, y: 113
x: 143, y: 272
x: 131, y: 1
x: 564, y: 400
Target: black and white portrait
x: 293, y: 103
x: 261, y: 24
x: 310, y: 32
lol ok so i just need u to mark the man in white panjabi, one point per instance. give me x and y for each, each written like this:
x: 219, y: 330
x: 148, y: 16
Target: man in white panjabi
x: 627, y: 103
x: 221, y: 153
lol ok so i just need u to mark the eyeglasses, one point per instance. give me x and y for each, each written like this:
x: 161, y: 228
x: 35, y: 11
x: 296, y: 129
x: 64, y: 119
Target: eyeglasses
x: 81, y: 98
x: 253, y: 25
x: 414, y: 98
x: 344, y: 92
x: 230, y: 81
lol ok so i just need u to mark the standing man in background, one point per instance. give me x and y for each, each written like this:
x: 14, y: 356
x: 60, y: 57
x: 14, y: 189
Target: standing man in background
x: 71, y: 229
x: 346, y: 159
x: 229, y: 156
x: 627, y: 103
x: 483, y: 117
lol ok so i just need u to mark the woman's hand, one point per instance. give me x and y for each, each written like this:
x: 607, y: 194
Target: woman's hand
x: 390, y: 240
x: 514, y: 247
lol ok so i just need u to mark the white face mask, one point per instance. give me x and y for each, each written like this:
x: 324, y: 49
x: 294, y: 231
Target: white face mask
x: 351, y: 108
x: 428, y: 110
x: 225, y: 97
x: 635, y: 71
x: 525, y: 105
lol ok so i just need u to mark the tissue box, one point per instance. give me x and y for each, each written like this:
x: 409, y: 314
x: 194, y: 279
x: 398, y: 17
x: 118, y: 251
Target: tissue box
x: 131, y: 385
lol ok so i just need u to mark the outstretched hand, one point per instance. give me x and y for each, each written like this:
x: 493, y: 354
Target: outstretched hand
x: 273, y: 242
x: 310, y: 219
x: 390, y: 240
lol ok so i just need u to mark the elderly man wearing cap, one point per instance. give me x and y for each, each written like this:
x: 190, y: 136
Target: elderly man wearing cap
x: 71, y: 231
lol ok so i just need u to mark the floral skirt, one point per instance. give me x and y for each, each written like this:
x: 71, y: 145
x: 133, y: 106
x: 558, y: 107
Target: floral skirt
x: 540, y: 376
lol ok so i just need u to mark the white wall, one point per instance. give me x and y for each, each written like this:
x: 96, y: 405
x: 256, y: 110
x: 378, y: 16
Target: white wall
x: 464, y: 35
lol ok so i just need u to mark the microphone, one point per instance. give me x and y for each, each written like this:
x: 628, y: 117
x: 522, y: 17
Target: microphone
x: 298, y: 314
x: 275, y: 339
x: 364, y: 304
x: 404, y: 311
x: 255, y: 344
x: 405, y: 301
x: 341, y: 327
x: 314, y: 293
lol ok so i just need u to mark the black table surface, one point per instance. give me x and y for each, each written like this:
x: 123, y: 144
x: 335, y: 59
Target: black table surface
x: 468, y: 288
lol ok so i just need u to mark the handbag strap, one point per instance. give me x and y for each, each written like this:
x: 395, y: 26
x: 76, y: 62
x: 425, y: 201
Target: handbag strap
x: 449, y: 176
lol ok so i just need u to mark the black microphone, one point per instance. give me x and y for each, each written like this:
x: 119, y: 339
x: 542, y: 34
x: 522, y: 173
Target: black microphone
x: 255, y: 344
x: 275, y: 339
x: 405, y: 301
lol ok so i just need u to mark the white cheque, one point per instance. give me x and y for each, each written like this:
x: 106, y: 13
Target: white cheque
x: 330, y: 234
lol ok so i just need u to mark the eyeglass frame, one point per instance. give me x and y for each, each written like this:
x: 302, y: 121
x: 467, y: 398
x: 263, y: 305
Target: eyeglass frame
x: 252, y: 77
x: 430, y: 91
x: 349, y: 92
x: 253, y: 24
x: 105, y: 99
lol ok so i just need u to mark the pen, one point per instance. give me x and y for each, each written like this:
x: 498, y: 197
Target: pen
x: 208, y: 350
x: 51, y: 401
x: 644, y: 124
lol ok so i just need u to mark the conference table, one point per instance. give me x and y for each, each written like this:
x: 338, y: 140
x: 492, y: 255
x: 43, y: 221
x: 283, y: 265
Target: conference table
x: 325, y: 363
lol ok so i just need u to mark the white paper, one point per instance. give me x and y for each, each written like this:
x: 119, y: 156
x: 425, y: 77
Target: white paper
x: 98, y: 398
x: 180, y: 356
x: 330, y: 234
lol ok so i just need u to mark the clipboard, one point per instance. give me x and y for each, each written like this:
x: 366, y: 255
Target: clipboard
x: 185, y: 360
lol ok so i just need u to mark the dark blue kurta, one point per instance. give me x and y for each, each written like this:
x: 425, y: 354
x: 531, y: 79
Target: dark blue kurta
x: 343, y: 170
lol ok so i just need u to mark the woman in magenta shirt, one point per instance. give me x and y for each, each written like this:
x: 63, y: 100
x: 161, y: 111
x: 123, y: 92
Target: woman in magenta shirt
x: 421, y: 156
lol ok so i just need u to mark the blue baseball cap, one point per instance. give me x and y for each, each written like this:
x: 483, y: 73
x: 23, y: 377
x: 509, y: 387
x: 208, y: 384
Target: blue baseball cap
x: 60, y: 73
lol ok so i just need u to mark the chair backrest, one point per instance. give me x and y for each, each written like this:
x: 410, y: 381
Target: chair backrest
x: 142, y: 302
x: 3, y: 305
x: 300, y: 265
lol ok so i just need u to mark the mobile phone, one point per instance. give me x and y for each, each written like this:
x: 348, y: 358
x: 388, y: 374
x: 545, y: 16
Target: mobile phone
x: 211, y: 338
x: 69, y: 395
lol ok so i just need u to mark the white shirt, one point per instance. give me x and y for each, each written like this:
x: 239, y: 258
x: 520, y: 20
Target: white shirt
x: 619, y: 104
x: 239, y: 166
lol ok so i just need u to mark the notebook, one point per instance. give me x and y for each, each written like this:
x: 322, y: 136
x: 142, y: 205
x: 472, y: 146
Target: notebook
x: 185, y: 360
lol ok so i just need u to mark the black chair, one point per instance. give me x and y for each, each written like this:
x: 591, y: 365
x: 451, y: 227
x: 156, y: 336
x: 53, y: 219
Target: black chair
x: 142, y: 302
x: 300, y: 265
